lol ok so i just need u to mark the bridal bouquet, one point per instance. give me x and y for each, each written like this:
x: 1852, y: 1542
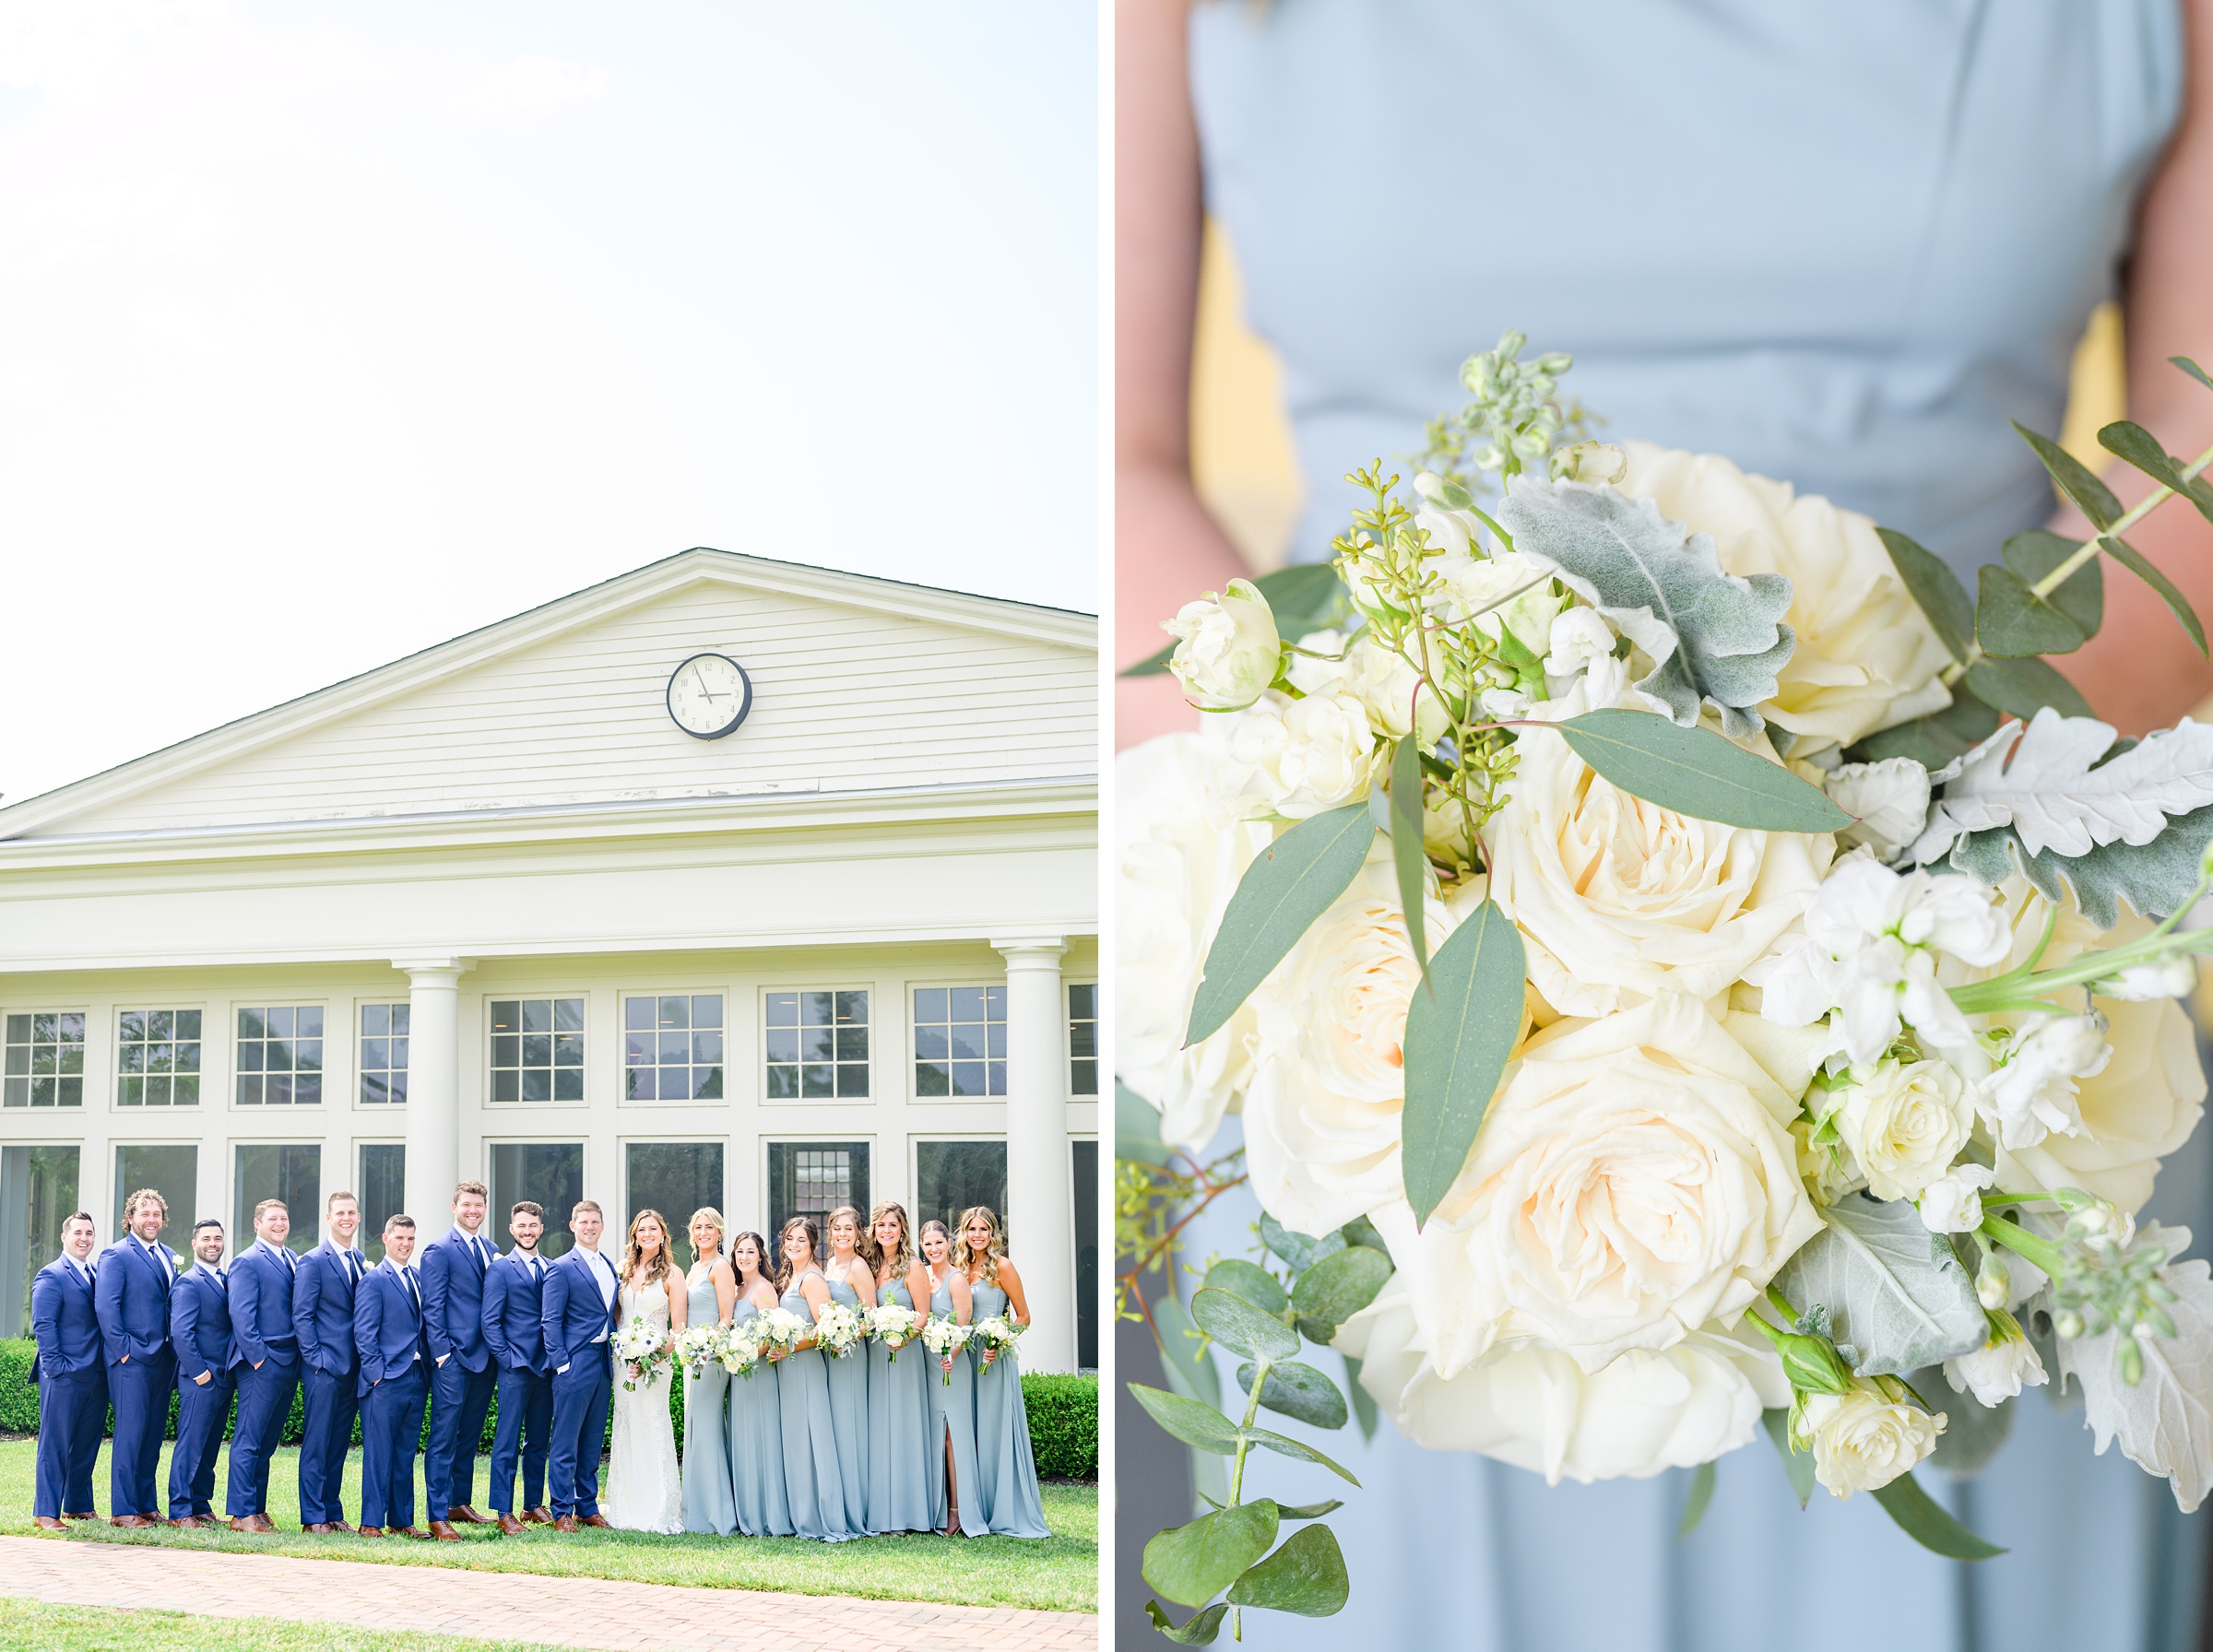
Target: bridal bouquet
x: 993, y: 1334
x: 1684, y: 962
x: 699, y: 1346
x: 839, y: 1328
x: 644, y: 1351
x: 894, y: 1325
x: 945, y: 1338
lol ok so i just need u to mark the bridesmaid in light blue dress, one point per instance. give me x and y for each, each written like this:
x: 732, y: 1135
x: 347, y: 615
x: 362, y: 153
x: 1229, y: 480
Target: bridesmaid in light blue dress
x: 1006, y: 1483
x: 708, y: 1504
x: 951, y: 1384
x: 813, y: 1483
x: 852, y: 1282
x: 756, y: 1408
x: 902, y: 1486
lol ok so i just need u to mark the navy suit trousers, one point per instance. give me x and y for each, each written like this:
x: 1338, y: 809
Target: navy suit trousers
x: 459, y: 1398
x: 581, y: 1396
x: 325, y: 1435
x: 202, y: 1409
x: 139, y: 1390
x: 526, y: 1420
x: 391, y: 1431
x: 265, y: 1399
x: 73, y: 1416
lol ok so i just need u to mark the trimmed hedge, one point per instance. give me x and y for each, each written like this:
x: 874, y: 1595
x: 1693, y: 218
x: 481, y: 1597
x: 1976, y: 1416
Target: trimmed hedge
x: 1063, y: 1413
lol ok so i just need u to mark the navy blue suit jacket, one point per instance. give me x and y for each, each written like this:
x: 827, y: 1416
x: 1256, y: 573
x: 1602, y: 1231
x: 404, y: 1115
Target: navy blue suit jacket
x: 64, y: 1321
x: 199, y: 1325
x: 323, y: 1310
x: 513, y: 1331
x: 261, y: 1309
x: 388, y: 1332
x: 571, y: 1309
x: 453, y: 1300
x: 132, y: 1299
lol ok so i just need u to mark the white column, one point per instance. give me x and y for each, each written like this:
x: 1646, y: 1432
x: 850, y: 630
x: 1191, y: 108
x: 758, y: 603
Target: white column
x: 433, y: 1090
x: 1038, y: 1211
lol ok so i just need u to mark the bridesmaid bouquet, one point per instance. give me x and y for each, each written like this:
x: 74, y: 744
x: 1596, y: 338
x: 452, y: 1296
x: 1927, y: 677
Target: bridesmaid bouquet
x: 945, y: 1338
x: 1684, y: 962
x: 894, y: 1325
x: 839, y: 1328
x: 644, y: 1351
x: 994, y: 1334
x: 776, y: 1330
x: 740, y: 1352
x: 699, y: 1346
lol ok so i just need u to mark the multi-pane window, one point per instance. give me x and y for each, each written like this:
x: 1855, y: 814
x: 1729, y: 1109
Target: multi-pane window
x: 45, y: 1060
x: 1083, y: 1040
x: 817, y: 1045
x: 384, y: 1053
x: 549, y: 1174
x: 960, y: 1041
x: 280, y: 1056
x: 672, y: 1047
x: 812, y: 1178
x: 289, y: 1171
x: 157, y: 1058
x: 383, y: 1183
x: 538, y: 1050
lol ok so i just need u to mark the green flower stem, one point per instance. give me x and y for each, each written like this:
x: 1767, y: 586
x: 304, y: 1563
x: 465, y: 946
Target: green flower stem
x: 2019, y: 991
x: 1262, y: 1365
x: 2042, y: 1253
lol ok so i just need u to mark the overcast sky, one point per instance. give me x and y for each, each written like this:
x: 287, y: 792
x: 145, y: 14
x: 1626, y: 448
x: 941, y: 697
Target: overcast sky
x: 329, y: 331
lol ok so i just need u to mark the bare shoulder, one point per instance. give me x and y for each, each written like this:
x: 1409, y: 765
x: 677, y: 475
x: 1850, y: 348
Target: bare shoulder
x: 1008, y: 1274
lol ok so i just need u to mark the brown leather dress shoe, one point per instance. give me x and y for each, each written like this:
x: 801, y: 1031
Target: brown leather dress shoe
x: 321, y: 1529
x: 541, y: 1516
x: 244, y: 1523
x: 340, y: 1525
x: 416, y: 1532
x: 48, y: 1523
x: 565, y: 1522
x: 462, y: 1514
x: 510, y: 1526
x: 67, y: 1516
x: 368, y: 1531
x: 130, y: 1522
x: 598, y: 1520
x: 188, y: 1523
x: 262, y: 1524
x: 443, y: 1531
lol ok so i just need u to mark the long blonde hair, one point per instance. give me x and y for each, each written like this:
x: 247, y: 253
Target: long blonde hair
x: 665, y: 1267
x: 995, y: 1249
x: 903, y: 1258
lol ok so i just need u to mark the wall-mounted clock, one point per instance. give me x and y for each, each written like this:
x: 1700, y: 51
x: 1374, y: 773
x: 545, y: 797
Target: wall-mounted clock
x: 709, y: 695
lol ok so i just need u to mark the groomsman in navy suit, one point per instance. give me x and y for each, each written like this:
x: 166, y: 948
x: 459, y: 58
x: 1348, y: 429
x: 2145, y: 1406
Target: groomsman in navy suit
x: 199, y: 1329
x: 323, y: 1323
x: 136, y: 1276
x: 72, y: 1374
x: 513, y: 1300
x: 264, y: 1357
x: 388, y: 1334
x: 462, y: 1378
x: 577, y: 1312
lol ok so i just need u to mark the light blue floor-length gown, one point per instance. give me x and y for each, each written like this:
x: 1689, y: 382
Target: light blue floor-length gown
x: 708, y: 1503
x: 813, y: 1484
x: 849, y: 1413
x: 1844, y: 245
x: 763, y: 1509
x: 1006, y: 1470
x: 901, y: 1463
x: 952, y: 1415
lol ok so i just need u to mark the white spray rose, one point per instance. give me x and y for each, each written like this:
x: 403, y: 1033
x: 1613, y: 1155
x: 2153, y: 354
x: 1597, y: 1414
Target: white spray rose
x: 1507, y: 592
x: 1618, y: 897
x: 1953, y: 1202
x: 1298, y: 758
x: 1904, y: 1123
x: 1863, y: 1442
x: 2000, y: 1368
x: 1634, y: 1179
x: 1373, y: 675
x: 2032, y: 1094
x: 1227, y: 647
x: 1866, y: 657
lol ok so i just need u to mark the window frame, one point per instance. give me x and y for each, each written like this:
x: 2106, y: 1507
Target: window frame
x: 357, y: 1073
x: 583, y: 1030
x: 233, y: 1038
x: 29, y: 1076
x: 244, y: 1236
x: 915, y: 1058
x: 871, y: 1138
x: 762, y: 1063
x: 623, y: 1096
x: 556, y: 1222
x: 1068, y: 1041
x: 125, y: 1007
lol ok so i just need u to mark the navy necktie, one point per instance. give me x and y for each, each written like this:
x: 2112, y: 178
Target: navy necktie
x: 413, y: 1295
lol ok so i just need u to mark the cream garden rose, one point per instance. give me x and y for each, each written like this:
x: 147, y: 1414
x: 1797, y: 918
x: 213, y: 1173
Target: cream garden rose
x: 1634, y: 1179
x: 1618, y: 898
x: 1297, y: 757
x: 1863, y: 1440
x: 1227, y: 647
x: 1904, y: 1123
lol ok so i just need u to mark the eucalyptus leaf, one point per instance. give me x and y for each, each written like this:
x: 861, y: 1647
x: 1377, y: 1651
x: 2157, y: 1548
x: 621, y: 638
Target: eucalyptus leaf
x: 1241, y: 1328
x: 1191, y: 1565
x: 1283, y: 1446
x: 1203, y: 1627
x: 2141, y: 449
x: 1298, y: 1391
x: 2010, y: 619
x: 1714, y: 637
x: 1308, y: 1511
x: 2023, y: 687
x: 2075, y: 478
x: 1934, y: 740
x: 1365, y: 1411
x: 1193, y: 1424
x: 1301, y: 1250
x: 2193, y: 369
x: 1797, y: 1466
x: 2081, y: 595
x: 1336, y: 1288
x: 1695, y: 772
x: 1192, y: 1373
x: 1409, y: 858
x: 1292, y: 882
x: 1306, y: 1576
x: 2134, y: 561
x: 1136, y: 1128
x: 1932, y: 584
x: 1254, y: 1283
x: 1694, y: 1505
x: 2153, y: 878
x: 1360, y: 1231
x: 1929, y: 1523
x: 1897, y: 1296
x: 1457, y: 1037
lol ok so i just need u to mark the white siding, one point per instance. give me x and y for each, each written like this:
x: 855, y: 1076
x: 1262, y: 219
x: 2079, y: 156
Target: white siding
x: 843, y: 700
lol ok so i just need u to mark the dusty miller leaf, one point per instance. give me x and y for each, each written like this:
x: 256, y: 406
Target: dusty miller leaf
x: 2153, y: 878
x: 1714, y: 636
x: 1897, y: 1296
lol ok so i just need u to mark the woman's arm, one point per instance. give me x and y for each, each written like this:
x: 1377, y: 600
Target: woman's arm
x: 817, y: 1294
x: 726, y: 1289
x: 679, y: 1302
x: 964, y: 1305
x: 1018, y: 1305
x: 2140, y: 672
x: 918, y: 1287
x: 862, y: 1277
x: 1167, y: 550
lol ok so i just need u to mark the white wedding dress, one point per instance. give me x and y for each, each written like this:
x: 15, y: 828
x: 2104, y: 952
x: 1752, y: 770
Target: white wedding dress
x: 644, y: 1490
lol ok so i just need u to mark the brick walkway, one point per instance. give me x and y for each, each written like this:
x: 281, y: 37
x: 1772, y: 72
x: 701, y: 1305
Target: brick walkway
x: 564, y: 1612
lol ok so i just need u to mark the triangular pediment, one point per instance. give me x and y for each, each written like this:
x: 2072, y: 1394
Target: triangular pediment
x: 859, y: 685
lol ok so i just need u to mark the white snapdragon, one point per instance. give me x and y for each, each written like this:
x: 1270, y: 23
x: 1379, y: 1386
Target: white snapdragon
x: 1297, y: 757
x: 1905, y: 1122
x: 1227, y: 647
x: 1863, y: 1440
x: 2000, y: 1368
x: 2171, y: 977
x: 2033, y: 1093
x: 1953, y: 1202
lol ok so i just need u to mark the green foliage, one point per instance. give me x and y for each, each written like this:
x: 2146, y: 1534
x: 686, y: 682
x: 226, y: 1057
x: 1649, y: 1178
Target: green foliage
x: 1797, y: 1466
x: 1251, y: 1281
x: 1695, y: 771
x: 2076, y: 479
x: 2023, y: 687
x: 1896, y: 1296
x: 1298, y: 1391
x: 2154, y: 878
x: 1063, y: 1413
x: 1293, y: 882
x: 1929, y: 1523
x: 1336, y: 1288
x: 1189, y: 1420
x: 2011, y: 618
x: 1199, y: 1631
x: 1694, y: 1506
x: 1457, y: 1037
x: 1301, y: 1250
x: 1192, y: 1564
x: 1409, y: 858
x: 2081, y: 597
x: 2130, y: 558
x: 1934, y: 740
x: 1306, y: 1576
x: 1241, y: 1328
x: 1943, y: 600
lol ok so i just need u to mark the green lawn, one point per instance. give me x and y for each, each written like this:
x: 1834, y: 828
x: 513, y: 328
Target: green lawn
x: 1059, y: 1574
x: 34, y: 1626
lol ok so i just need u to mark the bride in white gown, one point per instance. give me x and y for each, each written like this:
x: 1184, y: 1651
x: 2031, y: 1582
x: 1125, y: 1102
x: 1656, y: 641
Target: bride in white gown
x: 644, y: 1489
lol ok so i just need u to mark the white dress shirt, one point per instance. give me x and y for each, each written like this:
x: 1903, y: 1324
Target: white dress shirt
x: 605, y: 1273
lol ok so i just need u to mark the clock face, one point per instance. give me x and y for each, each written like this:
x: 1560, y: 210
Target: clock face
x: 709, y: 695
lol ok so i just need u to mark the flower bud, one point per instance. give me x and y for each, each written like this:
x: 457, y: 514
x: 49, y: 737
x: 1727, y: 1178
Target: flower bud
x: 1227, y: 651
x: 2171, y: 977
x: 1993, y: 1281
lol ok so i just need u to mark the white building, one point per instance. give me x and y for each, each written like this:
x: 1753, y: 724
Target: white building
x: 490, y: 910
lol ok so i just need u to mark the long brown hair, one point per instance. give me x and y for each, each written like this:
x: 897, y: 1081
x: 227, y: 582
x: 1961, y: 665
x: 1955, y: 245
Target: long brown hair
x: 814, y: 1247
x: 760, y: 1250
x: 665, y: 1261
x: 951, y: 1256
x: 995, y: 1248
x: 903, y: 1257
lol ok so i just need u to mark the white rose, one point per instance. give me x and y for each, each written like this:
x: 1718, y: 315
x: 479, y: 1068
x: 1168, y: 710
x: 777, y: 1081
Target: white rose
x: 1507, y: 592
x: 1905, y: 1125
x: 1373, y: 675
x: 1297, y: 757
x: 1863, y: 1442
x: 1227, y: 647
x: 1634, y: 1179
x: 2000, y: 1368
x: 1321, y: 1114
x: 1892, y: 799
x: 1177, y: 857
x: 1866, y: 657
x: 1641, y: 1415
x: 1953, y: 1202
x: 2031, y: 1093
x: 1618, y: 897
